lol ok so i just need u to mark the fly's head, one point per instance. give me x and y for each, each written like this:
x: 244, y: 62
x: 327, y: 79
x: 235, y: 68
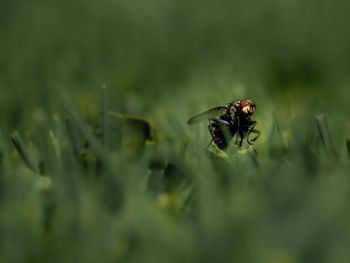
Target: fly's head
x: 247, y: 107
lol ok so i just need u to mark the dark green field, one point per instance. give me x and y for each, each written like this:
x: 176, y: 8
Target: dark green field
x: 98, y: 164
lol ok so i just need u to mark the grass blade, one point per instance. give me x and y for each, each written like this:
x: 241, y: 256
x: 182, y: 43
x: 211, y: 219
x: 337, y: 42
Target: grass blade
x: 83, y: 129
x: 17, y: 142
x: 1, y: 151
x: 325, y: 135
x: 72, y: 134
x: 276, y: 145
x: 320, y: 133
x: 104, y: 117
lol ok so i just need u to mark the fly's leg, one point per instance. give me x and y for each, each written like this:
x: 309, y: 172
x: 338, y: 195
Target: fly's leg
x: 252, y: 130
x: 211, y: 131
x: 237, y: 134
x: 257, y: 136
x: 241, y: 135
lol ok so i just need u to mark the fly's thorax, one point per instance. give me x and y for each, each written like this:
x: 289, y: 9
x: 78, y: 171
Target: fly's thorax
x: 243, y: 116
x: 229, y: 113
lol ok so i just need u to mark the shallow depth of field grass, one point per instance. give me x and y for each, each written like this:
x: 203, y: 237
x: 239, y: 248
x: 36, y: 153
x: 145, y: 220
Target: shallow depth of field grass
x: 97, y: 163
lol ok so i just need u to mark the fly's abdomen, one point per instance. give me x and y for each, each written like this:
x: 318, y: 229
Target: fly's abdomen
x: 221, y: 136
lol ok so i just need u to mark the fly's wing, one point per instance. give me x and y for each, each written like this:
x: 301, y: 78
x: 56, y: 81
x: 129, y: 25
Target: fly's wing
x: 204, y: 116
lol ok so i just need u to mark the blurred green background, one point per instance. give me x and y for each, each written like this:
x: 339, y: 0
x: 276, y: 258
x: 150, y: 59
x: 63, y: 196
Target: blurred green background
x: 166, y: 61
x: 270, y: 48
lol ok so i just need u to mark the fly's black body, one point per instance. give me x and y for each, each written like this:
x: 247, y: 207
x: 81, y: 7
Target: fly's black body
x: 227, y: 121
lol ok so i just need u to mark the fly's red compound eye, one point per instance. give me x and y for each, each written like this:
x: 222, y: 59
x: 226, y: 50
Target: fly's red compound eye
x: 252, y: 104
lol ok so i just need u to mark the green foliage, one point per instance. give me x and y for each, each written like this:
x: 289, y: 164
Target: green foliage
x: 118, y: 175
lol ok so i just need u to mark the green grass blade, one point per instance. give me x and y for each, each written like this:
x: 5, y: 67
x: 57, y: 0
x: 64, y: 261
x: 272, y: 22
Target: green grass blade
x: 318, y: 120
x: 325, y: 135
x: 136, y: 132
x: 104, y: 117
x: 56, y: 147
x: 1, y: 151
x: 17, y: 142
x: 72, y: 135
x: 83, y: 129
x: 276, y: 145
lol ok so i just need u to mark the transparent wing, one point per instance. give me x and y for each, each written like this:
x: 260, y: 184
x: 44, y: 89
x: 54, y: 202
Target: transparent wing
x: 204, y: 116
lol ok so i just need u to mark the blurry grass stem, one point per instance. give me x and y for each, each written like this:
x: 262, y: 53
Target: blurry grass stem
x: 325, y: 135
x: 1, y: 150
x: 104, y: 117
x: 83, y: 128
x: 73, y: 137
x: 17, y: 142
x: 277, y: 146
